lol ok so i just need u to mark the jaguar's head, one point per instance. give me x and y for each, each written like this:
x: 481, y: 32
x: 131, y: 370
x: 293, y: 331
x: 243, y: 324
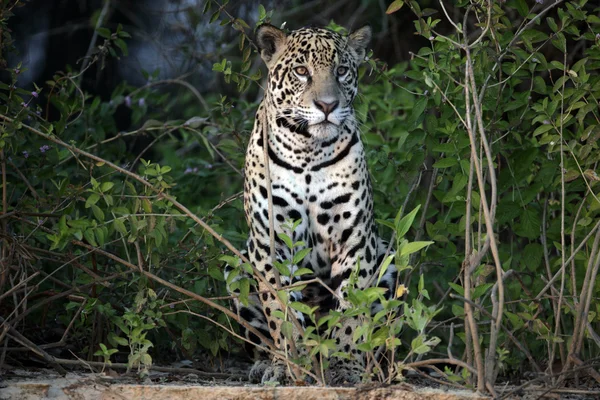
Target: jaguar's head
x: 313, y: 76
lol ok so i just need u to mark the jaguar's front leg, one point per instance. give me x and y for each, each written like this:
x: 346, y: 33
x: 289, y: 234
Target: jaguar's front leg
x: 275, y: 308
x: 364, y: 261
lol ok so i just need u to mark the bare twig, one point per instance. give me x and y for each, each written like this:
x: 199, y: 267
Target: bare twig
x: 33, y: 347
x: 204, y: 374
x: 99, y: 22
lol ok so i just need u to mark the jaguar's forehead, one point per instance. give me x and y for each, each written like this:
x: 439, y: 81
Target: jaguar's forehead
x: 316, y: 44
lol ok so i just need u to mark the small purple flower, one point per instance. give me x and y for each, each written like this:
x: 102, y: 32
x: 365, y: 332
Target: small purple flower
x: 35, y: 94
x: 209, y: 166
x: 26, y: 154
x: 38, y: 113
x: 431, y: 37
x: 17, y: 71
x: 141, y: 102
x: 188, y: 170
x: 539, y: 1
x: 546, y: 122
x: 44, y: 148
x: 597, y: 36
x: 128, y: 101
x: 25, y: 105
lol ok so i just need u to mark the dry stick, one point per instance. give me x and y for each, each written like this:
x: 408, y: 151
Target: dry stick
x: 4, y: 254
x: 217, y: 375
x: 512, y: 42
x: 489, y: 213
x: 563, y: 250
x: 25, y: 180
x: 12, y: 332
x: 61, y: 342
x: 506, y: 330
x: 94, y: 37
x: 17, y: 286
x: 549, y: 271
x: 469, y: 266
x: 231, y: 332
x: 571, y: 258
x: 591, y: 371
x: 563, y: 374
x: 51, y: 299
x: 430, y: 361
x: 572, y: 263
x: 471, y: 331
x: 585, y: 300
x: 181, y: 82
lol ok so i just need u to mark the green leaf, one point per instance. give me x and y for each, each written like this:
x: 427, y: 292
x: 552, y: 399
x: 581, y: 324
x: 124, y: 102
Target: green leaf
x: 299, y: 256
x: 302, y: 271
x: 406, y: 222
x: 413, y: 247
x: 560, y: 42
x: 418, y: 347
x: 91, y: 200
x: 395, y: 6
x: 120, y: 43
x: 457, y: 288
x: 303, y: 308
x: 90, y: 237
x: 104, y: 32
x: 480, y: 290
x: 384, y: 266
x: 417, y: 111
x: 552, y: 24
x: 215, y: 16
x: 542, y: 129
x: 231, y: 260
x: 530, y: 224
x: 286, y: 239
x: 119, y: 226
x: 106, y: 186
x: 532, y: 255
x: 522, y: 7
x: 287, y: 329
x: 446, y: 162
x: 98, y: 213
x: 195, y: 122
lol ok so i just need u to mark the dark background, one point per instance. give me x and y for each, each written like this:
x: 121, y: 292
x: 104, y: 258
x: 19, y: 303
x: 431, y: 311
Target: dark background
x: 176, y: 38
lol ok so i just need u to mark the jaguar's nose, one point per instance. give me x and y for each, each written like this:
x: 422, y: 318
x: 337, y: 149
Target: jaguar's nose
x: 327, y: 108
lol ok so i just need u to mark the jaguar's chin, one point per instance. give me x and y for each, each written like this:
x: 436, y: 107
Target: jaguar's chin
x: 324, y: 130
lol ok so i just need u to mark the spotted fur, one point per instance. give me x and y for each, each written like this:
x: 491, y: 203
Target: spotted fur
x: 318, y: 175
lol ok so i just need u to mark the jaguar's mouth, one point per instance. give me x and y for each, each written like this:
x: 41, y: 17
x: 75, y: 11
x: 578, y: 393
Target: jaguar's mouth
x: 326, y: 122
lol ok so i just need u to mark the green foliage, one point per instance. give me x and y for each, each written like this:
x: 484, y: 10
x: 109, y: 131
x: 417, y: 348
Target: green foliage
x: 104, y: 225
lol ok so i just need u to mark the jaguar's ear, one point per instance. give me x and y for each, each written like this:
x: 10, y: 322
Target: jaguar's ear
x: 359, y: 40
x: 270, y: 42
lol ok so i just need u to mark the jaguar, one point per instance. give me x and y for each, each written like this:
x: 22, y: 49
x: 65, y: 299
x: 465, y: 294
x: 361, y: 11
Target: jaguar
x: 306, y: 146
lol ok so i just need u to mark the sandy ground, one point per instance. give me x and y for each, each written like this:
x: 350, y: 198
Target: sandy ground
x: 45, y: 384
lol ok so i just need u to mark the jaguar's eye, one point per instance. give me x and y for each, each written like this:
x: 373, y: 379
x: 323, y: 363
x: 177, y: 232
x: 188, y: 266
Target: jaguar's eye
x: 341, y: 71
x: 301, y: 71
